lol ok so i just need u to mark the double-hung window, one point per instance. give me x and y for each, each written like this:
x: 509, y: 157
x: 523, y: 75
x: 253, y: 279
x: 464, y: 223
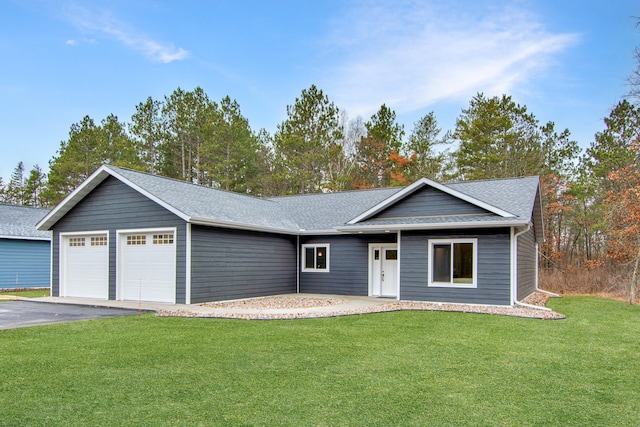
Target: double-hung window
x: 315, y: 257
x: 453, y: 262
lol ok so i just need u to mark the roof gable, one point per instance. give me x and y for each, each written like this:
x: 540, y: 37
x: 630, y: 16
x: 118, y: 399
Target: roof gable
x: 193, y: 203
x: 420, y: 184
x: 428, y: 201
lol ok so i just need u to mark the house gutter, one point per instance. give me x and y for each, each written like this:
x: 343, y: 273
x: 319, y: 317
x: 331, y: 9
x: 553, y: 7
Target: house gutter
x: 433, y: 226
x: 241, y: 226
x: 46, y: 239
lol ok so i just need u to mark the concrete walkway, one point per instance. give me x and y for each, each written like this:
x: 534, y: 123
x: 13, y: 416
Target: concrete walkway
x: 286, y: 306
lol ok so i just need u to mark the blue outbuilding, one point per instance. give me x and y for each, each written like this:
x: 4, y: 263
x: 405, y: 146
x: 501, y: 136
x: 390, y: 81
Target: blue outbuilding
x: 25, y: 253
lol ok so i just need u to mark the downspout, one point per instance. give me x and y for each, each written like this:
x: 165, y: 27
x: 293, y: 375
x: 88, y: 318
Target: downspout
x: 53, y: 238
x: 187, y: 285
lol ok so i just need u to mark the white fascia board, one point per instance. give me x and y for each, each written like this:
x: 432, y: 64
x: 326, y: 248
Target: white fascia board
x: 240, y: 226
x: 418, y: 185
x: 434, y: 226
x: 47, y: 239
x: 89, y: 184
x: 74, y: 198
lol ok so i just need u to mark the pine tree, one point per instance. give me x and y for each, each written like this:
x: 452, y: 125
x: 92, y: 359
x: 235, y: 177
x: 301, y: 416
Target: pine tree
x: 498, y: 139
x: 308, y: 141
x: 15, y: 189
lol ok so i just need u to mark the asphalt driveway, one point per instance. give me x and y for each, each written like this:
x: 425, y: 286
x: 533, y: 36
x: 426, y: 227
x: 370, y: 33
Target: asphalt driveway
x: 20, y: 314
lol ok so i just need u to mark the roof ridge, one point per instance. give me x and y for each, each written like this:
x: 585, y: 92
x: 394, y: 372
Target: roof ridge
x: 365, y: 190
x: 492, y: 179
x: 181, y: 181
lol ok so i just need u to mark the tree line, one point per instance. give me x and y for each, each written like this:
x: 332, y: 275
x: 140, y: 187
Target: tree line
x: 590, y: 197
x: 316, y: 148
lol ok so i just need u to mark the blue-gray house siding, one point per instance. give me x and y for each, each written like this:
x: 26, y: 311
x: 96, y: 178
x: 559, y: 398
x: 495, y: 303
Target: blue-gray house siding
x: 493, y: 268
x: 429, y: 202
x: 242, y: 246
x: 526, y: 264
x: 348, y: 264
x: 114, y: 206
x: 24, y: 263
x: 231, y: 264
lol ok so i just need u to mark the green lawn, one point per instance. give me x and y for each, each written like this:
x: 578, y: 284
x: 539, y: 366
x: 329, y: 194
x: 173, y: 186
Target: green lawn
x: 399, y: 368
x: 24, y: 293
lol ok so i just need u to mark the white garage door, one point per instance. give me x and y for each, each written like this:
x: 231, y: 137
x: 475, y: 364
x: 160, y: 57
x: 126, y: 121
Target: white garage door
x: 147, y: 266
x: 85, y: 266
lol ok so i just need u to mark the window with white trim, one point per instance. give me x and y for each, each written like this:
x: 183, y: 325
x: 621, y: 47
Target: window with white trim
x: 315, y: 257
x: 453, y: 263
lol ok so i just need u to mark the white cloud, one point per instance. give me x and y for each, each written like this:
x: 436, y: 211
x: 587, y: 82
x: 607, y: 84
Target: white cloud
x: 104, y: 23
x: 71, y: 42
x: 410, y: 55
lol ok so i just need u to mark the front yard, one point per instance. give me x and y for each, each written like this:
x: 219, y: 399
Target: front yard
x: 396, y: 368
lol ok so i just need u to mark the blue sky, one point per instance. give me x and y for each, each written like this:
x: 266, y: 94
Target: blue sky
x: 567, y: 61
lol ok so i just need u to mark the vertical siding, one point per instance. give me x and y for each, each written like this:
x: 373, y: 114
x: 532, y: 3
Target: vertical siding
x: 232, y: 264
x: 493, y: 268
x: 526, y: 264
x: 428, y: 202
x: 349, y: 265
x: 28, y: 259
x: 114, y: 206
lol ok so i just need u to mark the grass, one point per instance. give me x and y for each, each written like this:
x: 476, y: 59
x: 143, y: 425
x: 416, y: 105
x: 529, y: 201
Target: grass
x: 398, y: 368
x: 24, y: 293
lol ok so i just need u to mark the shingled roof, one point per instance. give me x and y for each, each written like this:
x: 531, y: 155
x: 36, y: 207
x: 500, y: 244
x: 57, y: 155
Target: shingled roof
x: 512, y: 199
x: 19, y: 222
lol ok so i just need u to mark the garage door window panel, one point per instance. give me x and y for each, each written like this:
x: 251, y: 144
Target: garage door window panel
x: 136, y: 240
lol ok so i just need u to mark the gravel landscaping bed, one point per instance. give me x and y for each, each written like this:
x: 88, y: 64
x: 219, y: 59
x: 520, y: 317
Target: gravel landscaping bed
x: 277, y: 302
x: 266, y: 308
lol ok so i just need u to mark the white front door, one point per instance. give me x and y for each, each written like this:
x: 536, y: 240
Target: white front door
x: 383, y: 269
